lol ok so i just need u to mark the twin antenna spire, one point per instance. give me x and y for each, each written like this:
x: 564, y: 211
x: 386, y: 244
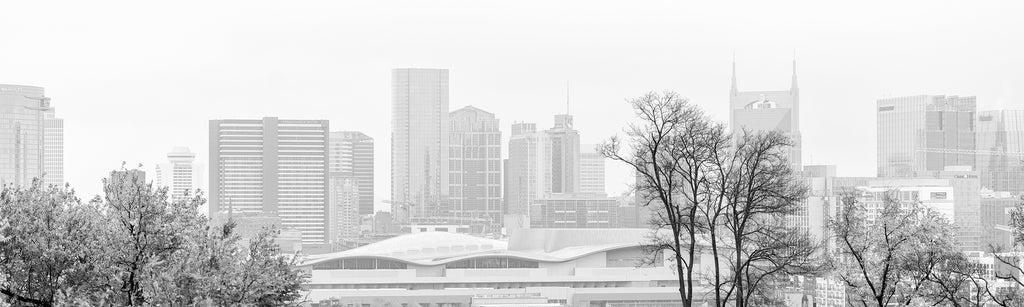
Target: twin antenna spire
x: 734, y: 89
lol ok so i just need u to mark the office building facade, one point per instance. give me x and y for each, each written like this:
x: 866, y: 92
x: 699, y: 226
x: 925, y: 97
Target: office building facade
x: 920, y: 135
x: 181, y: 175
x: 419, y: 143
x: 53, y: 148
x: 591, y: 170
x: 563, y: 154
x: 576, y: 210
x: 274, y: 167
x: 541, y: 163
x: 474, y: 168
x: 1000, y: 155
x: 351, y: 155
x: 344, y: 208
x: 23, y: 132
x: 524, y: 175
x: 758, y: 111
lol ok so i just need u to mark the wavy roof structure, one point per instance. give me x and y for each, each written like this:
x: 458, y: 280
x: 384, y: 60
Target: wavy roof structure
x: 541, y: 245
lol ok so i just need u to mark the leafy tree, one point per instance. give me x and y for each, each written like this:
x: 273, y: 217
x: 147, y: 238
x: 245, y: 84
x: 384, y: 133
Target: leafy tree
x: 147, y: 230
x: 51, y: 251
x: 134, y: 247
x: 892, y: 255
x: 1012, y: 262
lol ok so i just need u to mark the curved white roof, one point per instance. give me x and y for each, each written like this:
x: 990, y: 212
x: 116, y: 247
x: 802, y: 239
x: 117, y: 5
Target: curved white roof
x: 437, y: 248
x: 423, y: 247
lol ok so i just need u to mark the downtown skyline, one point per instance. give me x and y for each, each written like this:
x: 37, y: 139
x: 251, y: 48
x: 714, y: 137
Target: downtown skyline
x: 836, y: 78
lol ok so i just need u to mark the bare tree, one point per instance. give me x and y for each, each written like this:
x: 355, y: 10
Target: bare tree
x: 666, y: 152
x: 761, y: 189
x: 707, y: 191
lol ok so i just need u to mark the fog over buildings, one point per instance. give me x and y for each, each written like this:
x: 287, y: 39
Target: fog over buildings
x: 447, y: 154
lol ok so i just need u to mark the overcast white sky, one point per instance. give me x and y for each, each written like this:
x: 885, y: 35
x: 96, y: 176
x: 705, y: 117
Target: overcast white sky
x: 133, y: 79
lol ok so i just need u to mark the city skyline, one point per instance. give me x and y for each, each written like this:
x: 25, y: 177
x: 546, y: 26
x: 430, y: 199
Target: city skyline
x: 531, y: 153
x: 844, y: 77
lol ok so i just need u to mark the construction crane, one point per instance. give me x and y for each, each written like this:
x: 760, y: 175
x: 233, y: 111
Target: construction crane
x: 972, y: 152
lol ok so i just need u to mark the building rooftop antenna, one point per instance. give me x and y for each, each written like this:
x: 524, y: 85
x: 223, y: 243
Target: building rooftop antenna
x: 566, y: 97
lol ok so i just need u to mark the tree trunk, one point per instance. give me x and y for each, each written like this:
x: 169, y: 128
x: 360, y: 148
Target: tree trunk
x: 679, y: 269
x: 718, y: 275
x: 740, y: 299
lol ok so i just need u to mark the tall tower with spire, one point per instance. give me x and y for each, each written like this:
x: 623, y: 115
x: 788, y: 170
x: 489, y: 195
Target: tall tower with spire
x: 754, y: 111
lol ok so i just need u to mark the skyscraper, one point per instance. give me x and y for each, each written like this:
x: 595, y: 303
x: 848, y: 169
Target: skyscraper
x: 591, y: 170
x: 22, y: 134
x: 344, y: 208
x: 1000, y: 142
x: 352, y: 156
x: 541, y: 163
x: 53, y: 148
x: 920, y: 135
x: 181, y: 173
x: 564, y: 155
x: 766, y: 111
x: 419, y: 143
x: 474, y: 167
x: 274, y: 167
x: 524, y: 172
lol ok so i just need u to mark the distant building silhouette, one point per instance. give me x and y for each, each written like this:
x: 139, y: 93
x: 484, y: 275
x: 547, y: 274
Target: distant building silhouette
x: 53, y: 148
x: 592, y: 172
x: 541, y: 163
x: 274, y: 167
x: 474, y: 168
x: 1000, y: 145
x: 920, y: 135
x: 352, y: 156
x: 523, y: 169
x: 756, y: 111
x: 419, y: 143
x: 564, y: 154
x: 344, y: 208
x: 31, y: 138
x: 181, y: 173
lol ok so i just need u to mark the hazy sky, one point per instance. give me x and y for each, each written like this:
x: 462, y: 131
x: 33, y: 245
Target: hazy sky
x: 133, y: 79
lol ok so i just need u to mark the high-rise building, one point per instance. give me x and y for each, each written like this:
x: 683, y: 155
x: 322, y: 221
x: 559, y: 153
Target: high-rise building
x: 563, y: 152
x: 344, y: 208
x: 474, y: 168
x: 419, y: 143
x: 996, y: 209
x: 53, y: 148
x: 352, y: 156
x: 920, y: 135
x: 954, y: 196
x: 1000, y: 155
x: 274, y: 167
x: 756, y: 111
x: 541, y: 163
x: 591, y: 170
x: 525, y: 176
x: 22, y: 133
x: 180, y: 173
